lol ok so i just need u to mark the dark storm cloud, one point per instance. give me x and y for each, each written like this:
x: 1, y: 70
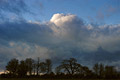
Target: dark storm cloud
x: 22, y: 31
x: 64, y: 36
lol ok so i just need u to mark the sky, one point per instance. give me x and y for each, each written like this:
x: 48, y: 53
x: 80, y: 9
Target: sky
x: 88, y: 30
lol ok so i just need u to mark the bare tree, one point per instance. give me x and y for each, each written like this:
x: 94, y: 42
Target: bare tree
x: 29, y: 63
x: 38, y: 66
x: 34, y: 67
x: 48, y: 63
x: 70, y: 66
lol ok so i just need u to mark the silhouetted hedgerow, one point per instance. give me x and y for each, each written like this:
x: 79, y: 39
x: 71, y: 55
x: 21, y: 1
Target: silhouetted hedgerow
x: 68, y: 69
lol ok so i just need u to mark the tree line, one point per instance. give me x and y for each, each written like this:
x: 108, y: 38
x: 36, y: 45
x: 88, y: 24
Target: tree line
x: 68, y: 68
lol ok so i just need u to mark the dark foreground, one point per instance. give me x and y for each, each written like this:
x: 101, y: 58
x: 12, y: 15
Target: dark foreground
x: 50, y: 79
x: 69, y: 69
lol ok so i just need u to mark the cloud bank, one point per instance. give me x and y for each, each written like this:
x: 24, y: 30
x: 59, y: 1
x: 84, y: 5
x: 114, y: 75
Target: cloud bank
x: 64, y: 36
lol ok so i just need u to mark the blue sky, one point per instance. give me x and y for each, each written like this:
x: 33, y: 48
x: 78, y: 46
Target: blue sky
x: 88, y: 30
x: 99, y: 11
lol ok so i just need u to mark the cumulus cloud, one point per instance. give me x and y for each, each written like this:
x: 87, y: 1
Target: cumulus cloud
x: 64, y: 36
x: 61, y: 19
x: 67, y: 25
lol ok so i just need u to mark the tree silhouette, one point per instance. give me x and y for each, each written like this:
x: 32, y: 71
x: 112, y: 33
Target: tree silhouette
x: 42, y: 67
x: 86, y: 71
x: 22, y: 69
x: 110, y: 72
x: 69, y: 66
x: 29, y: 64
x: 101, y: 71
x: 48, y: 63
x: 96, y: 69
x: 34, y: 67
x: 38, y: 66
x: 12, y: 66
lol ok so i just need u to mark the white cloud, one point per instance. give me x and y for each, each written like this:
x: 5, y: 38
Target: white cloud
x: 61, y: 19
x: 67, y: 25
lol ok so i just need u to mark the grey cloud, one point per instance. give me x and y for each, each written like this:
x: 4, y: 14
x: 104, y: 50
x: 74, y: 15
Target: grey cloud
x: 24, y: 31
